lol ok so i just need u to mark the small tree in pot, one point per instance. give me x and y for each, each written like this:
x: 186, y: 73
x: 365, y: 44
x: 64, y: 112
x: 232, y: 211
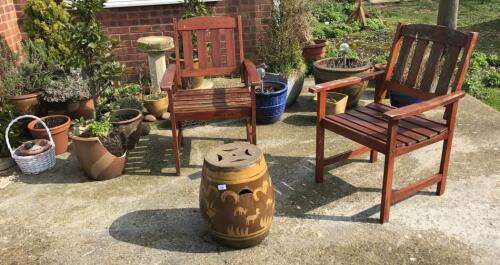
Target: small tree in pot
x: 281, y: 47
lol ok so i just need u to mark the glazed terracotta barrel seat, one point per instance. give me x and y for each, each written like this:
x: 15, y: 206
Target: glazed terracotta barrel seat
x: 236, y: 195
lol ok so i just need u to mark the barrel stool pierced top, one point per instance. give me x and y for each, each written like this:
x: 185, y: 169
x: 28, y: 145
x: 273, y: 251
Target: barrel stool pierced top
x: 236, y: 195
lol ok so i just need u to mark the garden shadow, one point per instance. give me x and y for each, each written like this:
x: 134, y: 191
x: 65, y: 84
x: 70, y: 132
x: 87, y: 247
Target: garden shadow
x: 180, y: 230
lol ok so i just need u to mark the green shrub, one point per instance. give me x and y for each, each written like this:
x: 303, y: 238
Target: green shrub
x: 48, y: 23
x: 195, y: 8
x: 130, y: 103
x: 65, y: 87
x: 99, y: 128
x: 6, y: 116
x: 483, y: 75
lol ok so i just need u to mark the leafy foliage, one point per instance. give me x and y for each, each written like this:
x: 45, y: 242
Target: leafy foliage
x: 99, y: 128
x: 29, y: 76
x: 47, y: 23
x: 92, y: 48
x: 484, y: 75
x: 6, y: 115
x: 195, y: 8
x: 130, y: 103
x: 281, y: 48
x: 66, y: 87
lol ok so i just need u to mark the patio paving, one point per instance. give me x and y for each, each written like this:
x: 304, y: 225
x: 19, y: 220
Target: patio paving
x: 150, y: 216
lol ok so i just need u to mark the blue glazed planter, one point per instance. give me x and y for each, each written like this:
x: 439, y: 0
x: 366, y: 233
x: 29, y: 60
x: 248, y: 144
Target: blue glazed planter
x: 271, y: 105
x: 398, y: 100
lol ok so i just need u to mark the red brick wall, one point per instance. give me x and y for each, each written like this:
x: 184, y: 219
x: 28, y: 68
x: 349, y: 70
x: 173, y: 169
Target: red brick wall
x: 130, y: 23
x: 9, y: 29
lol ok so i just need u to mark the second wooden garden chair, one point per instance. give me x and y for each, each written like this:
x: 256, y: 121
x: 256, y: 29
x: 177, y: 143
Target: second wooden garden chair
x: 426, y: 62
x: 216, y: 54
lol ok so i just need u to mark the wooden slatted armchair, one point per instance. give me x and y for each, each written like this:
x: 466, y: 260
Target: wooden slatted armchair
x: 219, y: 59
x: 426, y: 62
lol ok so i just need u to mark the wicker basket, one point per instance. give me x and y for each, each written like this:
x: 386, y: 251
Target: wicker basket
x: 37, y: 163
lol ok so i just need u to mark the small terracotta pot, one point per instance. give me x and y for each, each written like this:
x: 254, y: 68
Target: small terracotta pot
x: 97, y: 162
x: 190, y: 82
x: 315, y: 51
x: 81, y: 109
x: 29, y: 104
x: 59, y: 133
x: 130, y: 127
x: 156, y: 107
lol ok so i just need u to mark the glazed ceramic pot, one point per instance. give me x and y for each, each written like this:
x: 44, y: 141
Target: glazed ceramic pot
x: 81, y: 109
x: 128, y: 121
x: 236, y: 195
x: 294, y: 83
x: 323, y: 73
x: 156, y: 107
x: 314, y: 51
x: 97, y: 162
x: 59, y: 132
x: 29, y: 104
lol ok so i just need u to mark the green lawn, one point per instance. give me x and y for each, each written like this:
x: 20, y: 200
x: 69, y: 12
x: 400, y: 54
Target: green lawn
x: 482, y: 16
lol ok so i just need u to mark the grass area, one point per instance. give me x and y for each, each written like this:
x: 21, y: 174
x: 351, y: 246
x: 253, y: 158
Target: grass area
x: 474, y: 15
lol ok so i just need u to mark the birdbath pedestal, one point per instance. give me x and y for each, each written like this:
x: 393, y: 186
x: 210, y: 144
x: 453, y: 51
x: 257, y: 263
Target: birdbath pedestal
x: 155, y: 47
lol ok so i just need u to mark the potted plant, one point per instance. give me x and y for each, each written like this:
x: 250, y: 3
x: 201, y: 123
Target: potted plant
x: 315, y: 42
x: 73, y: 91
x: 336, y: 103
x: 128, y: 120
x: 156, y: 105
x: 100, y: 149
x: 340, y: 67
x: 23, y: 81
x: 270, y: 101
x: 58, y: 127
x: 281, y: 47
x: 6, y: 115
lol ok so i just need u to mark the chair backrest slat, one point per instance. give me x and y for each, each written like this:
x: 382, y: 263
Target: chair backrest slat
x: 215, y: 53
x: 424, y: 60
x: 202, y: 48
x: 416, y: 63
x: 431, y: 66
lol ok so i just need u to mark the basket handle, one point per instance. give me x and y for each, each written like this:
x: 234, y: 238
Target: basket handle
x: 23, y: 117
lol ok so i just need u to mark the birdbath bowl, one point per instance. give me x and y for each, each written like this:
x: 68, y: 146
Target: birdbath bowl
x: 155, y: 47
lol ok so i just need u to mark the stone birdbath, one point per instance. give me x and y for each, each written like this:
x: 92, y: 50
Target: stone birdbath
x: 155, y: 47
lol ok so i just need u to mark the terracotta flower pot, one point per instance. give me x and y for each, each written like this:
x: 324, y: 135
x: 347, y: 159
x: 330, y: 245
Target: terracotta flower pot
x: 97, y: 162
x: 324, y: 73
x: 315, y: 51
x: 59, y: 133
x: 128, y: 121
x: 81, y: 109
x: 156, y: 107
x: 29, y: 104
x: 190, y: 82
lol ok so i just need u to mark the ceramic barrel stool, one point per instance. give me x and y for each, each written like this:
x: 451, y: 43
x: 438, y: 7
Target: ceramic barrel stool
x: 236, y: 195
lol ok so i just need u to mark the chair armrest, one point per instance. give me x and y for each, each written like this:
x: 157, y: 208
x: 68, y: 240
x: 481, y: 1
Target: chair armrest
x: 421, y: 107
x: 167, y: 80
x: 250, y: 73
x: 345, y: 82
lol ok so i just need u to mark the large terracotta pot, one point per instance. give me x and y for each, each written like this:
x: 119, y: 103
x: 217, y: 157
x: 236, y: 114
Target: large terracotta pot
x: 236, y: 195
x: 59, y: 133
x: 156, y: 107
x: 29, y: 104
x: 190, y: 82
x: 315, y: 51
x: 324, y: 73
x: 97, y: 162
x: 128, y: 121
x: 81, y: 109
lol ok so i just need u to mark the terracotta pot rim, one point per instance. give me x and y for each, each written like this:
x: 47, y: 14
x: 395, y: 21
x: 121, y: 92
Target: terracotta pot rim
x: 25, y: 96
x: 54, y: 130
x: 154, y: 100
x: 318, y: 43
x: 137, y: 117
x: 93, y: 139
x: 363, y: 68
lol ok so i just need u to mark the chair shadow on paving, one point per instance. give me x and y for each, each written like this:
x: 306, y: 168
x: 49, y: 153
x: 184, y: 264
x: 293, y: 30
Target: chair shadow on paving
x: 179, y: 229
x: 299, y: 195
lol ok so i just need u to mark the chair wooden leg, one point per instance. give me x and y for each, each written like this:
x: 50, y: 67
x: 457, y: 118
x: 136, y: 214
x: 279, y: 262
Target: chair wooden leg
x: 181, y: 136
x: 385, y: 204
x: 175, y: 143
x: 443, y: 168
x: 254, y: 129
x: 249, y: 130
x: 373, y: 156
x: 320, y: 153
